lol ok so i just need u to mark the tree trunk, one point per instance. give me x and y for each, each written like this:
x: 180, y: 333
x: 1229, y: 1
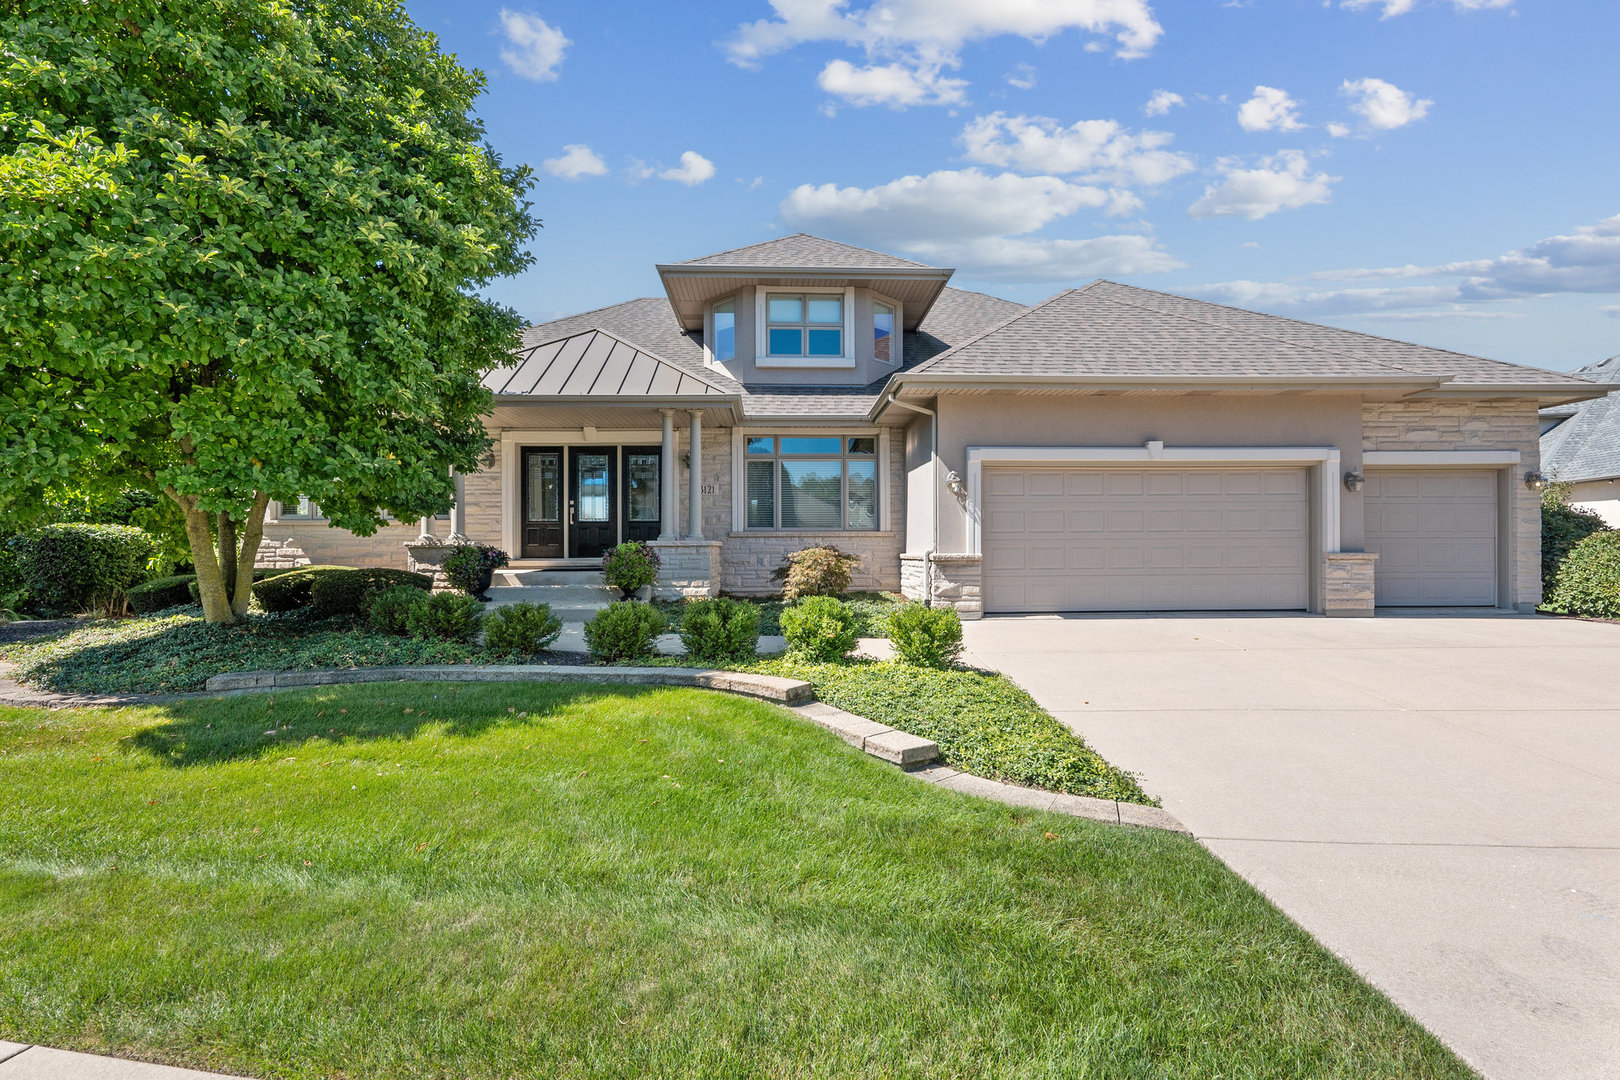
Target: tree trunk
x: 210, y: 582
x: 252, y: 532
x: 225, y: 553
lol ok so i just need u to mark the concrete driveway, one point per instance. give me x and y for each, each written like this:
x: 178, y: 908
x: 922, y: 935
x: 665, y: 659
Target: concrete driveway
x: 1436, y: 798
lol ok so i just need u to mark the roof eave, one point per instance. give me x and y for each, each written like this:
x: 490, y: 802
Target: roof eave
x: 731, y: 402
x: 1548, y: 393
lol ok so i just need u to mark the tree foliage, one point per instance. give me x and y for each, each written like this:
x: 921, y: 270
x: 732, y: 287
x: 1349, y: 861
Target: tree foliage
x: 240, y: 242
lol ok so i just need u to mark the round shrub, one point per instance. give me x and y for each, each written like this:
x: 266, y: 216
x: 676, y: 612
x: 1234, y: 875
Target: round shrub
x: 161, y: 593
x: 343, y: 592
x: 820, y: 627
x: 817, y: 571
x: 466, y: 566
x: 720, y: 629
x: 389, y: 610
x: 926, y: 637
x: 1562, y: 527
x: 624, y: 631
x: 445, y: 616
x: 630, y: 565
x: 290, y: 591
x: 259, y: 574
x: 1588, y: 580
x: 521, y: 629
x: 84, y: 567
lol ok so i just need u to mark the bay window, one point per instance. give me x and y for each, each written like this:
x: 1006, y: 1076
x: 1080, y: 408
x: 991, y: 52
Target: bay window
x: 724, y: 341
x: 804, y: 324
x: 820, y: 482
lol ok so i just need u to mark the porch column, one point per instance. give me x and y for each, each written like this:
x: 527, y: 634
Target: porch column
x: 458, y: 512
x: 424, y: 529
x: 669, y: 506
x: 694, y: 479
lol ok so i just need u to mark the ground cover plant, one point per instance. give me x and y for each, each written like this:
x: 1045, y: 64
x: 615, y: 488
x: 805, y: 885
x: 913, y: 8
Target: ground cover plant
x: 487, y: 881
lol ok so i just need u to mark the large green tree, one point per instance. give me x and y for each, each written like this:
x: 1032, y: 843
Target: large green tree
x: 240, y: 245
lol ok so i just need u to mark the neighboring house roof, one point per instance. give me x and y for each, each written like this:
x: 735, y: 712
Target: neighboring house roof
x: 596, y: 364
x: 804, y: 250
x: 1586, y: 445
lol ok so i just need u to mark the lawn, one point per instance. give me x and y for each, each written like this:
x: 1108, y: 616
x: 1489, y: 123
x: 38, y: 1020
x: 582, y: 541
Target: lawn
x: 433, y: 880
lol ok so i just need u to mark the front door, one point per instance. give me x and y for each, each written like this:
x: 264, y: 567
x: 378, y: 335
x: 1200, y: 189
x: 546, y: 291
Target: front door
x: 643, y: 467
x: 592, y: 515
x: 542, y: 502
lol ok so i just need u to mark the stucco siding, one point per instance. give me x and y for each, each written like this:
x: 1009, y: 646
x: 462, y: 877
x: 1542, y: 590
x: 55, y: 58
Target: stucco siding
x: 1599, y: 496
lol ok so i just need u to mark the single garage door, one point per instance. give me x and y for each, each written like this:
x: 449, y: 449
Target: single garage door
x: 1154, y: 539
x: 1435, y: 534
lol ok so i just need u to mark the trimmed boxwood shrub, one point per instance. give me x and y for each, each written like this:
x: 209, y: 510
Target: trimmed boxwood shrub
x: 819, y: 627
x: 84, y: 567
x: 720, y: 629
x: 344, y: 592
x: 926, y: 637
x: 258, y: 575
x: 626, y: 630
x: 290, y: 590
x: 817, y: 571
x: 521, y: 629
x: 445, y: 616
x: 1588, y: 580
x: 163, y: 592
x: 389, y: 610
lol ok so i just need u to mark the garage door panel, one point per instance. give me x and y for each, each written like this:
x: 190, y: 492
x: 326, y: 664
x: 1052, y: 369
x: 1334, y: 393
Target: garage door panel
x: 1435, y: 532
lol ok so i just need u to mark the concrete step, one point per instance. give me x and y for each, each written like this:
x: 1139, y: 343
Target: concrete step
x: 578, y: 595
x: 547, y: 577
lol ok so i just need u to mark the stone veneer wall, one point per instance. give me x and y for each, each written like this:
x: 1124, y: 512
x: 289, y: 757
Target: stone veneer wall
x: 1347, y: 583
x: 1473, y: 425
x: 687, y: 568
x: 956, y: 580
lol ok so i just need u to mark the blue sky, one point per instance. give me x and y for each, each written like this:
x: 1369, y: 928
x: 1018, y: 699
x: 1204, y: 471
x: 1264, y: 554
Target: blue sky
x: 1444, y: 171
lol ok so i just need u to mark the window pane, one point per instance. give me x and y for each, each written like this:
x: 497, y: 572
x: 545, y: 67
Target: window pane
x: 863, y: 505
x: 543, y: 473
x: 787, y: 342
x: 641, y: 483
x: 883, y: 332
x: 826, y: 309
x: 725, y: 330
x: 592, y: 487
x: 786, y: 309
x: 826, y: 342
x: 863, y: 444
x: 811, y: 494
x: 761, y: 444
x: 761, y: 495
x: 810, y: 444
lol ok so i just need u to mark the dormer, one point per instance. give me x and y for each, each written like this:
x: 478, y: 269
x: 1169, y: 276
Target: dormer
x: 802, y: 310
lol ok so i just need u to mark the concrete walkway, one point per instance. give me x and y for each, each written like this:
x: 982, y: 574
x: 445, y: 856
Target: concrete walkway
x: 1435, y: 798
x: 20, y: 1061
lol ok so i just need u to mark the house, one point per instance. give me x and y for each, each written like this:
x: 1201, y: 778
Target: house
x: 1108, y: 449
x: 1580, y: 445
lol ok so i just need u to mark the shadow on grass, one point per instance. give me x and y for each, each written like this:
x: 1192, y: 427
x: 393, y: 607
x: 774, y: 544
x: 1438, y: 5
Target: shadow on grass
x: 215, y: 730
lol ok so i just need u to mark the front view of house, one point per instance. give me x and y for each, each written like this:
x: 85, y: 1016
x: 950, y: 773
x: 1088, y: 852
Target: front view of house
x: 1108, y: 449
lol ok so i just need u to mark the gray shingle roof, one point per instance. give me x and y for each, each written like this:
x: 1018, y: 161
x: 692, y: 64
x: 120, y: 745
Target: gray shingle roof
x: 804, y: 250
x: 1587, y: 445
x: 595, y: 363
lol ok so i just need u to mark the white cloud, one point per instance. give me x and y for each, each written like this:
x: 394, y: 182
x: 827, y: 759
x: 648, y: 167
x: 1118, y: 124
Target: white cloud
x: 1611, y: 310
x: 693, y: 170
x: 533, y: 48
x: 577, y: 160
x: 1282, y: 182
x: 980, y: 222
x: 1270, y: 109
x: 1391, y: 8
x: 894, y: 85
x: 1022, y: 76
x: 1162, y: 102
x: 1382, y: 105
x: 1338, y: 130
x: 1100, y: 149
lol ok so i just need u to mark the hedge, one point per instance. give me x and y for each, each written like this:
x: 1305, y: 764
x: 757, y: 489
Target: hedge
x: 343, y: 592
x: 163, y: 592
x: 83, y: 567
x: 290, y: 590
x: 1588, y: 580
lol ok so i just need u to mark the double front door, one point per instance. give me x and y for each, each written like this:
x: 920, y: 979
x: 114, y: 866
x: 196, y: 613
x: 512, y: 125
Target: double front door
x: 579, y: 501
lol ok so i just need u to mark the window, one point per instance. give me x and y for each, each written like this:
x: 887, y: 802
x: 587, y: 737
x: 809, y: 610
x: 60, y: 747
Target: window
x: 724, y: 345
x: 302, y: 510
x: 804, y: 324
x: 826, y: 482
x: 885, y: 338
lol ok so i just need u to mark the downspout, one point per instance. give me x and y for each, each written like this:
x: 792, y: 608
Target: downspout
x: 933, y: 491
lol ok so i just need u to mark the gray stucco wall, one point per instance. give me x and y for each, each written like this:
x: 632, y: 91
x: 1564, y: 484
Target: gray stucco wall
x: 866, y: 369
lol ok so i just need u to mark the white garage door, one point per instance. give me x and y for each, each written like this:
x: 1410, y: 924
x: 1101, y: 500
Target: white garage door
x: 1155, y: 539
x: 1435, y: 534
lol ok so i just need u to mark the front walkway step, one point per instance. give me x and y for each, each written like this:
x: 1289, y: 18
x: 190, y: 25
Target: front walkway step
x: 548, y: 577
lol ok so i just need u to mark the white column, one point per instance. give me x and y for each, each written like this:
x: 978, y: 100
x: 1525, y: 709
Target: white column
x: 458, y: 512
x: 694, y: 480
x: 669, y: 505
x: 424, y: 529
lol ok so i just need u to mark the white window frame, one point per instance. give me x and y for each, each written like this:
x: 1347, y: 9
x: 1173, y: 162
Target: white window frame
x: 762, y: 357
x: 739, y: 476
x: 710, y: 357
x: 314, y: 513
x: 899, y: 334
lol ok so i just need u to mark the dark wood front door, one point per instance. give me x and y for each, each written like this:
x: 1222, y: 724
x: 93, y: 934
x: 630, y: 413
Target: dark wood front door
x: 542, y: 502
x: 642, y: 485
x: 593, y: 520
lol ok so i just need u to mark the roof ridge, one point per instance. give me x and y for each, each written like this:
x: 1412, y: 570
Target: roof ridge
x: 1008, y: 321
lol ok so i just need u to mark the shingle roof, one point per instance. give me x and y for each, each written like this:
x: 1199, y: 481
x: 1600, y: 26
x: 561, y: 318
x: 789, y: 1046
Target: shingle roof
x: 804, y: 250
x: 595, y: 363
x: 1587, y: 445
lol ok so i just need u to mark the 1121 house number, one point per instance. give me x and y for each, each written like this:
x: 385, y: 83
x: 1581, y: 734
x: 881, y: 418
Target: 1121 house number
x: 707, y: 489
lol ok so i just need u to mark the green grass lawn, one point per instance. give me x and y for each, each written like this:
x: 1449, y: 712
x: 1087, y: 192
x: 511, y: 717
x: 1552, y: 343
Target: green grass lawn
x: 433, y: 880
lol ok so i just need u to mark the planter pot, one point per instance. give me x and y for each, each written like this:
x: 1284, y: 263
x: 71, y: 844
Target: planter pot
x: 484, y: 580
x: 644, y: 593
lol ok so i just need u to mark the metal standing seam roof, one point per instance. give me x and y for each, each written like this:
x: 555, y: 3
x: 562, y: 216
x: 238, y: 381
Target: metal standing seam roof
x: 1586, y: 445
x: 595, y: 363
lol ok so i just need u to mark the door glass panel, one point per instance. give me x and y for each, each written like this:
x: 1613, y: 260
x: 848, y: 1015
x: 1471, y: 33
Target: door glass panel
x: 761, y: 495
x: 812, y: 494
x: 543, y: 495
x: 863, y: 495
x: 592, y: 486
x: 641, y: 481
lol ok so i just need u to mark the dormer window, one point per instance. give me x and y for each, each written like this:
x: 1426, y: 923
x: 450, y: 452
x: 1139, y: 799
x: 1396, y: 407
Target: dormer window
x: 723, y: 342
x: 885, y: 340
x: 804, y: 324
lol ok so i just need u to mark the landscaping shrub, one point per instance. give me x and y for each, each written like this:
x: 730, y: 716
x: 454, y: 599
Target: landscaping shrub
x: 445, y: 616
x: 1562, y: 527
x: 163, y: 592
x: 344, y: 592
x: 258, y: 575
x: 290, y: 590
x: 720, y: 629
x: 388, y: 610
x: 624, y: 631
x: 816, y: 571
x: 13, y: 593
x: 819, y: 627
x: 629, y: 566
x: 466, y: 566
x: 1588, y: 580
x: 83, y: 567
x: 926, y: 637
x: 521, y: 629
